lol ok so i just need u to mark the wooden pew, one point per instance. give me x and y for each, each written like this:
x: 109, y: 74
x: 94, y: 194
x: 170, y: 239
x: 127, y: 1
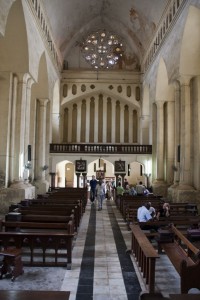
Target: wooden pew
x: 60, y: 203
x: 145, y: 255
x: 53, y: 210
x: 23, y: 226
x: 71, y: 193
x: 177, y: 211
x: 186, y: 259
x: 32, y: 295
x: 46, y: 240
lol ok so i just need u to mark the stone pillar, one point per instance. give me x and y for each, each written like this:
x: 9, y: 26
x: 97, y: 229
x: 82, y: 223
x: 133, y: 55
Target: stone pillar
x: 170, y: 142
x: 185, y: 150
x: 159, y: 186
x: 177, y: 135
x: 78, y: 134
x: 130, y: 125
x: 96, y: 119
x: 160, y: 140
x: 121, y: 123
x: 41, y: 183
x: 20, y: 124
x: 87, y: 134
x: 65, y: 125
x: 144, y: 130
x: 113, y: 120
x: 70, y: 124
x: 105, y: 113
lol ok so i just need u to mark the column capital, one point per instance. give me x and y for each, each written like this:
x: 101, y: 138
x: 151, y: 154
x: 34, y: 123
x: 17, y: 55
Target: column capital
x: 160, y: 103
x: 184, y: 79
x: 43, y: 101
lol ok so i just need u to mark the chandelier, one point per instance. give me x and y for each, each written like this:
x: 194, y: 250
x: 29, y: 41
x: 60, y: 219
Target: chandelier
x: 102, y: 49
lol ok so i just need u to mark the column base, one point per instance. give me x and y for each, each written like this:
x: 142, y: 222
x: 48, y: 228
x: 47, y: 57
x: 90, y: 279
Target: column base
x: 17, y: 191
x: 42, y: 186
x: 182, y: 193
x: 160, y: 188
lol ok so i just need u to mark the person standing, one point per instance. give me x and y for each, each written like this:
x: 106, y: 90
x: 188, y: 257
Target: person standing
x: 100, y: 193
x: 93, y: 184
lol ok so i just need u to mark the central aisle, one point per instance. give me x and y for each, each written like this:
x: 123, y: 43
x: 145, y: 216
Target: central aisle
x: 101, y: 268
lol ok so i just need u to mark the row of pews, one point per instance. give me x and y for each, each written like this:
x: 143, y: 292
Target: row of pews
x: 173, y: 236
x: 43, y: 229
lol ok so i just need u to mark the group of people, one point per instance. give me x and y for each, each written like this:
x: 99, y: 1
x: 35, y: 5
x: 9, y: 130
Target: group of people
x: 100, y: 189
x: 138, y: 190
x: 147, y: 212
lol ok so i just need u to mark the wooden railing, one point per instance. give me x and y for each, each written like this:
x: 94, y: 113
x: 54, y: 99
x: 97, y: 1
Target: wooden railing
x: 101, y: 148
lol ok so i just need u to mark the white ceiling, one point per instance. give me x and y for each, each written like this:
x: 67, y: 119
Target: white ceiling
x: 133, y: 20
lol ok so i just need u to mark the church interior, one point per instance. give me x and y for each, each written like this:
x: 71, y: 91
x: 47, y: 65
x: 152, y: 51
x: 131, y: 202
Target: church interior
x: 109, y: 89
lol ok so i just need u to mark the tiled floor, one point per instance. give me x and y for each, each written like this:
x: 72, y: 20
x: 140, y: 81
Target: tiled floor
x: 101, y: 268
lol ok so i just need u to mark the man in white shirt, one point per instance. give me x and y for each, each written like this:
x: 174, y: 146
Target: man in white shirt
x: 143, y: 213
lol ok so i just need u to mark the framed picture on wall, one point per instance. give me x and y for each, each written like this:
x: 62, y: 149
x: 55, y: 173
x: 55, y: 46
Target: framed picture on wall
x: 100, y: 175
x: 81, y: 165
x: 120, y: 166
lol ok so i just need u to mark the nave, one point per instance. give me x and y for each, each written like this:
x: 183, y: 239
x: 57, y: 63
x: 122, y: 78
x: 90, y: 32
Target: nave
x: 101, y: 268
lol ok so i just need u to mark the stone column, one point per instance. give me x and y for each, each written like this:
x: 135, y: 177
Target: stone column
x: 41, y: 183
x: 170, y: 142
x: 105, y: 113
x: 160, y: 140
x: 78, y: 134
x: 20, y: 131
x: 177, y: 135
x: 144, y: 130
x: 96, y: 119
x: 87, y: 134
x: 121, y: 123
x: 113, y: 120
x: 185, y: 150
x: 65, y: 125
x: 70, y: 124
x: 130, y: 125
x: 20, y: 124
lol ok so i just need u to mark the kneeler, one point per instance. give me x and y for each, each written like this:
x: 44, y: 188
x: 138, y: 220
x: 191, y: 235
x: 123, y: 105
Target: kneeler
x: 12, y: 264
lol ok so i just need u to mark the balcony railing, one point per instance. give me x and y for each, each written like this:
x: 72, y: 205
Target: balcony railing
x: 101, y: 148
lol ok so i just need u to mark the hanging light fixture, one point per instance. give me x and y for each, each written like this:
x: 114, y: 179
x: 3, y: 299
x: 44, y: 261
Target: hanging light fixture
x: 102, y: 49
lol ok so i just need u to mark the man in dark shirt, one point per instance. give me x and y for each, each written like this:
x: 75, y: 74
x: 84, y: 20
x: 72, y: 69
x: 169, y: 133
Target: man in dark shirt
x: 93, y: 183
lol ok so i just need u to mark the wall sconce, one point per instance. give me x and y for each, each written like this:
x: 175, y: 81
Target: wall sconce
x: 27, y: 166
x: 45, y: 167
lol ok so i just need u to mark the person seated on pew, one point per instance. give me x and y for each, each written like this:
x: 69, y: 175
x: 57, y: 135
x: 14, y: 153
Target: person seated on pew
x: 152, y: 210
x: 146, y: 191
x: 140, y: 188
x: 127, y: 189
x: 143, y: 213
x: 132, y: 191
x: 164, y: 211
x: 144, y: 216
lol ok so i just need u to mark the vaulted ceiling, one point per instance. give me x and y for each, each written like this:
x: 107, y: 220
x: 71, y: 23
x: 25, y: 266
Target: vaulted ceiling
x: 134, y: 21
